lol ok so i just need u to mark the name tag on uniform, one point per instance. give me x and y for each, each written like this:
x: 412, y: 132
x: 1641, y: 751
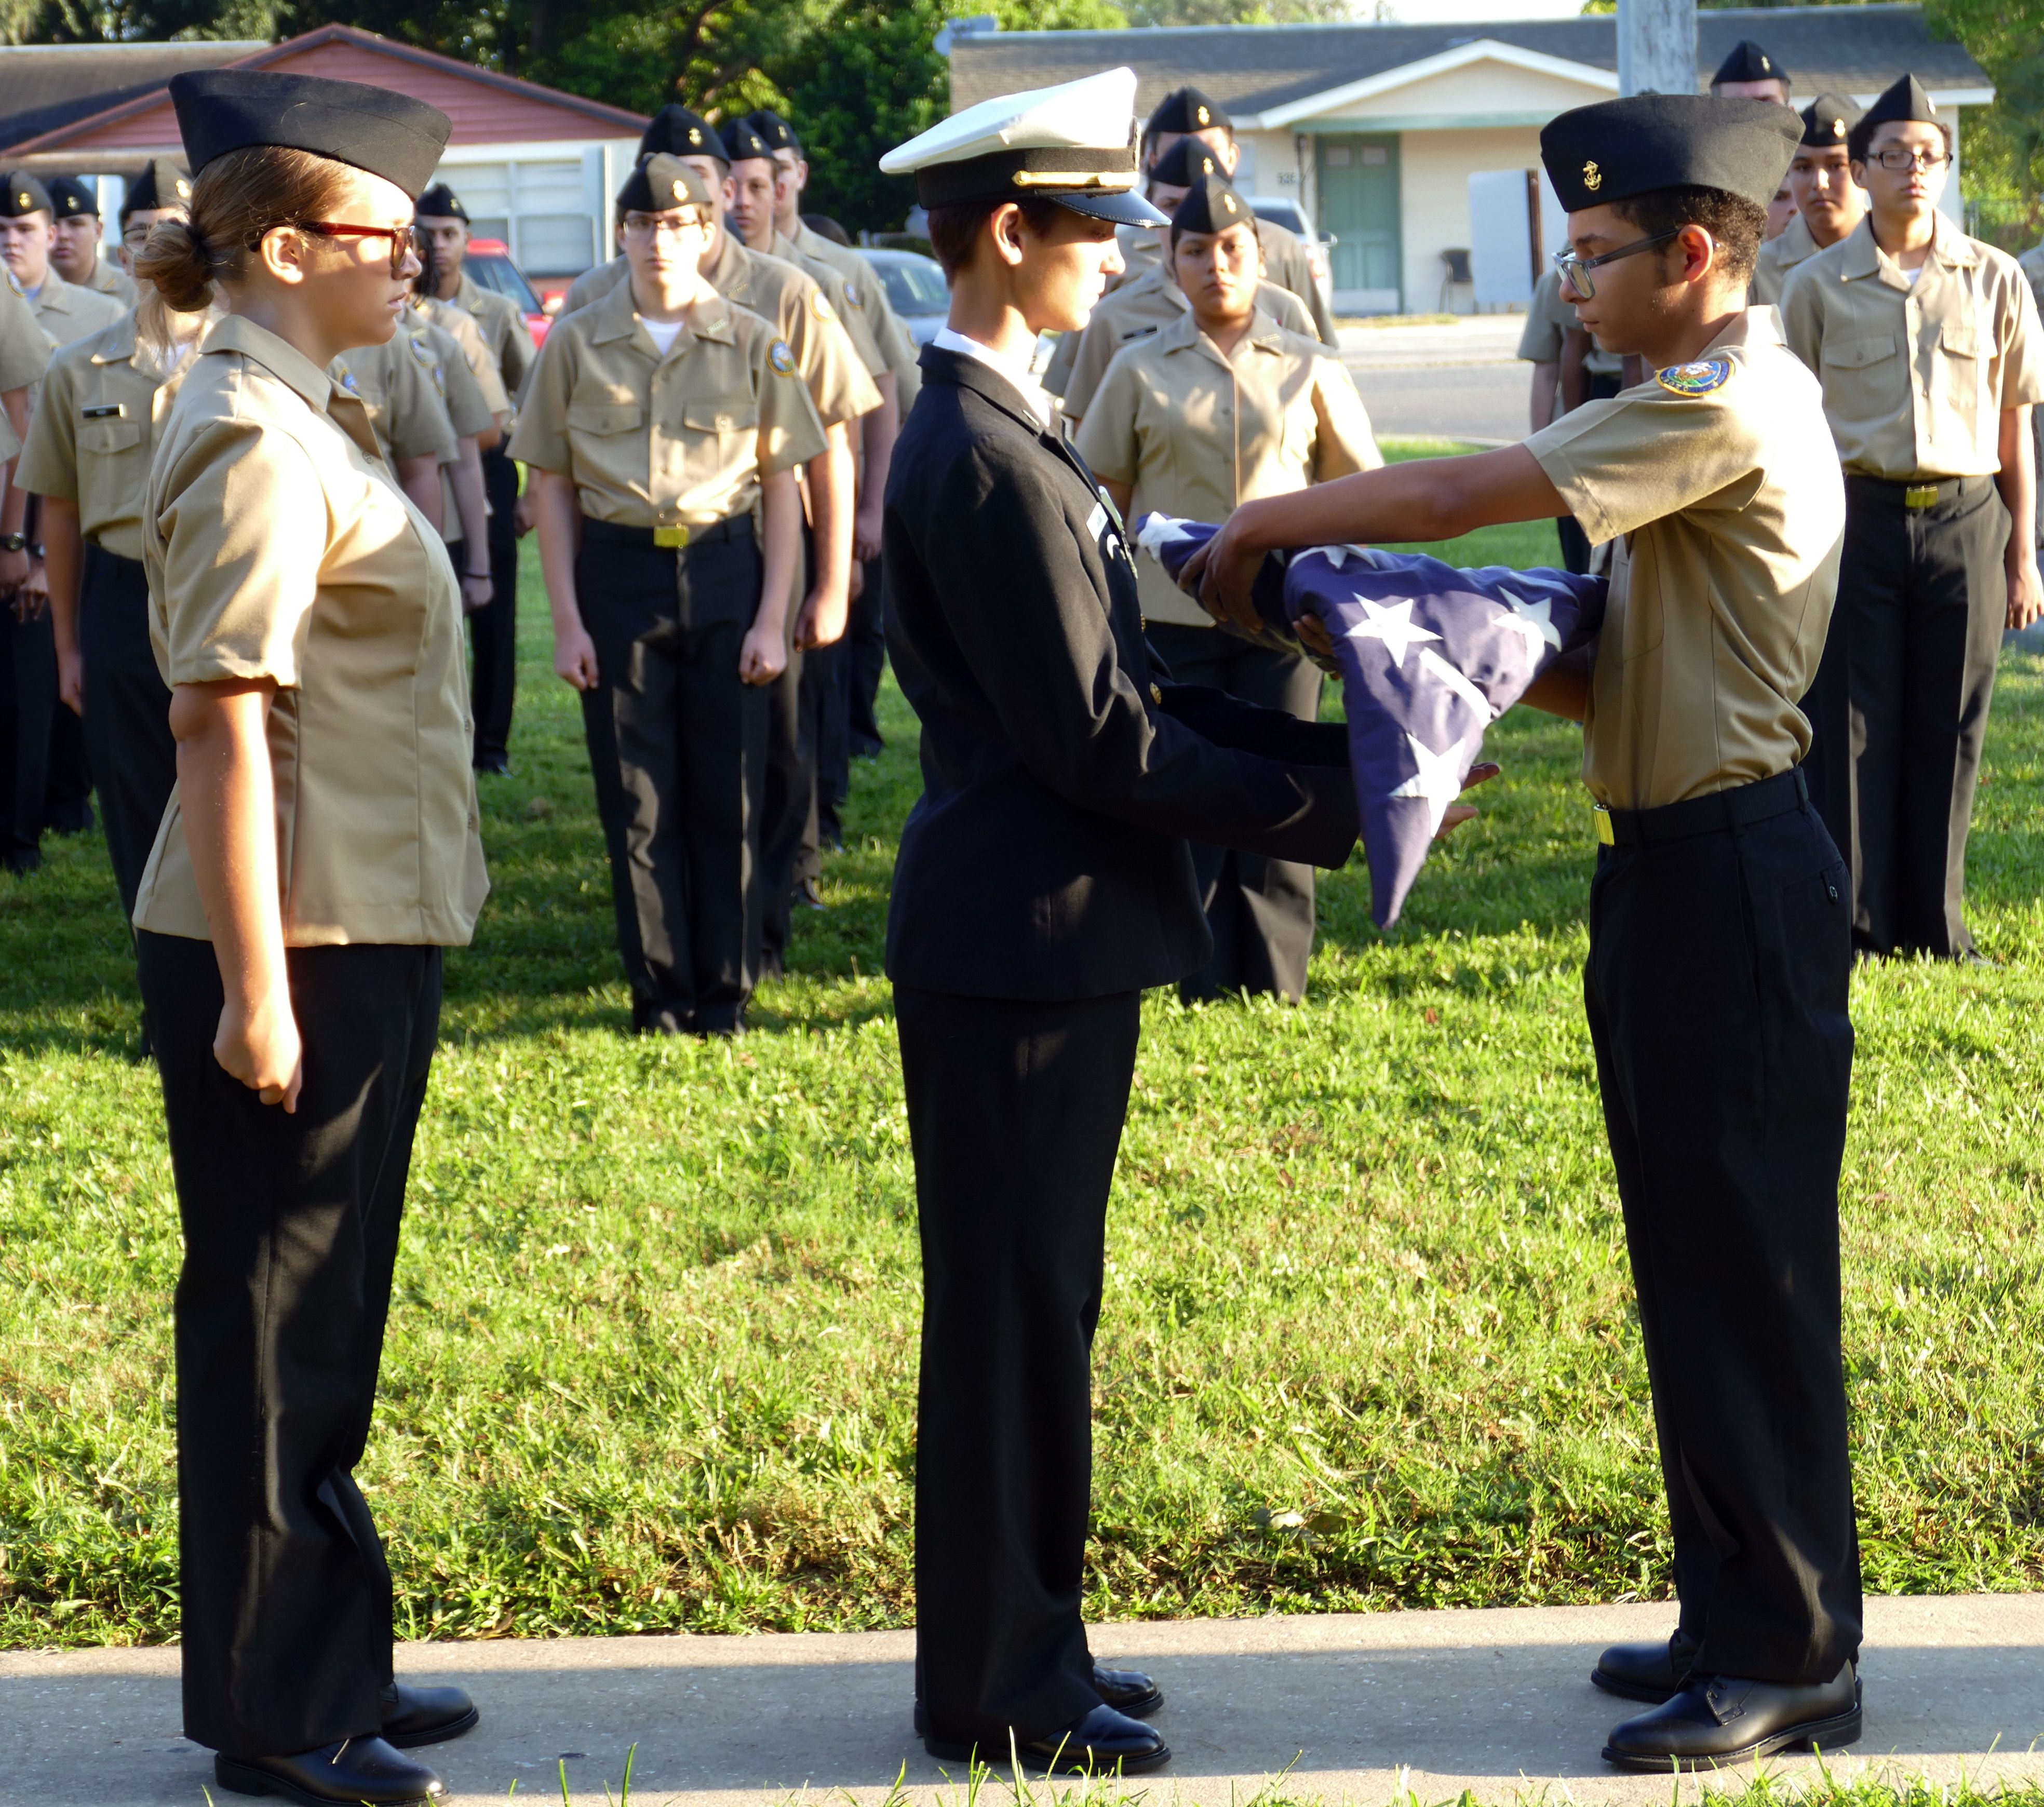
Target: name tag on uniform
x: 670, y: 539
x: 1096, y: 520
x: 105, y: 411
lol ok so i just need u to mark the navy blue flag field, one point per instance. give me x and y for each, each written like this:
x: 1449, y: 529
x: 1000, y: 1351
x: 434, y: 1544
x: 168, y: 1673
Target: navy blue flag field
x: 1430, y: 656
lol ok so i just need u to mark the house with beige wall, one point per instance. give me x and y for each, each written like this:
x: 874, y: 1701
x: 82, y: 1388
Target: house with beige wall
x: 1376, y: 129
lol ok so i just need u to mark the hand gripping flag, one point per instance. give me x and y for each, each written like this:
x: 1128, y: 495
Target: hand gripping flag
x: 1430, y: 656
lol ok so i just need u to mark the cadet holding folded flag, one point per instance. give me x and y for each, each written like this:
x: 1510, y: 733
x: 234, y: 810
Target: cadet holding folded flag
x: 1719, y: 951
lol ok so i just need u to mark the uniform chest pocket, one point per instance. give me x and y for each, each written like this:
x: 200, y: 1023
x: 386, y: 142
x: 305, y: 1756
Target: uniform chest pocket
x: 602, y: 417
x: 1857, y: 353
x: 106, y: 437
x: 731, y: 417
x: 1960, y: 339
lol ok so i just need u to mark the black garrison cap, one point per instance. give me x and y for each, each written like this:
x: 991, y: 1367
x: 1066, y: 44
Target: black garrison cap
x: 24, y: 194
x: 1187, y: 110
x: 388, y: 134
x: 1829, y: 120
x: 1905, y: 99
x: 70, y: 197
x: 440, y: 202
x: 660, y: 183
x: 1749, y: 62
x: 1613, y: 150
x: 742, y: 143
x: 679, y: 132
x: 774, y: 129
x: 164, y: 182
x: 1185, y: 164
x: 1212, y: 205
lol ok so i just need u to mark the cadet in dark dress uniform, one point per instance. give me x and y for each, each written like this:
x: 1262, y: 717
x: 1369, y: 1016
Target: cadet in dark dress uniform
x: 319, y: 852
x: 1928, y: 346
x: 1719, y: 955
x: 1044, y: 880
x: 671, y: 422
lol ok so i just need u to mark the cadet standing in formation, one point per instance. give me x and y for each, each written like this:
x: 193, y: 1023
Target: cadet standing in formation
x: 670, y: 422
x: 1569, y: 368
x: 493, y: 631
x: 1749, y: 73
x: 319, y: 851
x: 466, y: 384
x: 1224, y: 406
x: 1927, y: 344
x: 75, y: 231
x: 104, y: 404
x: 1828, y: 202
x: 1154, y: 300
x: 27, y: 654
x: 1044, y: 880
x: 1719, y: 944
x: 408, y: 415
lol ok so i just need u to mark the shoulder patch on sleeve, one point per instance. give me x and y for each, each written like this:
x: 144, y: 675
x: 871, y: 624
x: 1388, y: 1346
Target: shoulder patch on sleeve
x: 781, y: 358
x: 820, y: 306
x: 1699, y: 377
x: 421, y: 349
x: 853, y: 297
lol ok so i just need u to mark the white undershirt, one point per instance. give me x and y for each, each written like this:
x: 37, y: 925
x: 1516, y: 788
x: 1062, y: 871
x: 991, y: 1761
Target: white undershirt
x: 663, y: 332
x: 1910, y: 276
x: 1015, y: 372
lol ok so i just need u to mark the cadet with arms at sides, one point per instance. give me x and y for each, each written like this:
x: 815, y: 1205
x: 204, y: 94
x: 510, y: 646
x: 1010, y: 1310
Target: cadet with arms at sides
x: 1828, y: 202
x: 1154, y: 300
x: 1044, y: 880
x: 1222, y: 407
x: 319, y: 852
x: 75, y: 230
x: 1719, y: 951
x: 27, y: 654
x: 1927, y: 344
x: 465, y: 380
x: 662, y: 423
x: 105, y: 403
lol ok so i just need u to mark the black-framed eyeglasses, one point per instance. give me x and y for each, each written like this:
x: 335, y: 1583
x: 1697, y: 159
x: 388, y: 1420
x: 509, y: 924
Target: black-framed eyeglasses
x: 1575, y: 271
x: 1900, y: 157
x: 402, y: 246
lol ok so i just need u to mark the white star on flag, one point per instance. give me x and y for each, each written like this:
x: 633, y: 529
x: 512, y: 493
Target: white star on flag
x: 1393, y: 625
x: 1338, y: 556
x: 1158, y: 532
x: 1438, y: 782
x: 1535, y: 620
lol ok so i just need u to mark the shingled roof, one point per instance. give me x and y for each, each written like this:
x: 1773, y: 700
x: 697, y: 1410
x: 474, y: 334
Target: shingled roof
x: 1251, y: 70
x: 46, y: 85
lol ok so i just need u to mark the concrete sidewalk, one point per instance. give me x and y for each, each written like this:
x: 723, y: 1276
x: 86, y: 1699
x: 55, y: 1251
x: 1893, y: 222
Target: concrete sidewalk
x: 1354, y: 1707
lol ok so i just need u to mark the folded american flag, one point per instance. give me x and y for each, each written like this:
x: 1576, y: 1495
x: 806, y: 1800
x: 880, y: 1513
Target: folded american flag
x: 1430, y: 656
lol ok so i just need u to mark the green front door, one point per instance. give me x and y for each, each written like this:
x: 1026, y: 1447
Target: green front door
x: 1359, y: 206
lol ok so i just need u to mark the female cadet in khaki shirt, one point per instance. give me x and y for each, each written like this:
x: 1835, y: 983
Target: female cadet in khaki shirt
x: 319, y: 851
x: 1222, y: 406
x: 661, y: 420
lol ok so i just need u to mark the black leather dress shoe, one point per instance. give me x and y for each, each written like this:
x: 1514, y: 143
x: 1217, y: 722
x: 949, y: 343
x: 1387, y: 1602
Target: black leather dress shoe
x: 1101, y: 1742
x: 1127, y: 1690
x: 413, y: 1716
x: 1716, y: 1719
x: 357, y: 1772
x: 1650, y: 1672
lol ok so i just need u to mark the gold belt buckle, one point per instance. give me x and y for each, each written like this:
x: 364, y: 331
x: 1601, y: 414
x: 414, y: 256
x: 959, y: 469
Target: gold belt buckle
x: 1920, y: 496
x: 670, y: 539
x: 1605, y: 837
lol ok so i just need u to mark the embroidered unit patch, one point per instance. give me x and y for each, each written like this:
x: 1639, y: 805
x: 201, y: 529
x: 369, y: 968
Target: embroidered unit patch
x: 1697, y: 379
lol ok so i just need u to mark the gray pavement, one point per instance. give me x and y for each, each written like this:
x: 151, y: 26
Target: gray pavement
x: 1462, y: 382
x: 1346, y: 1708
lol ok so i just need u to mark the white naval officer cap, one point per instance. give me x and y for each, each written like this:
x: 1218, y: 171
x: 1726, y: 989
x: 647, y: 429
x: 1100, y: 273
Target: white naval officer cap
x: 1074, y: 144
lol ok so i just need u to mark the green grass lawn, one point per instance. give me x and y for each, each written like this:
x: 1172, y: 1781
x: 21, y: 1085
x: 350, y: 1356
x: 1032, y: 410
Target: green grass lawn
x: 1368, y: 1338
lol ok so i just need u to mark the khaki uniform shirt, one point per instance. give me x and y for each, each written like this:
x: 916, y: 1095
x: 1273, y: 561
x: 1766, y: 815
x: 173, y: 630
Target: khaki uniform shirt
x: 104, y: 405
x: 406, y: 409
x: 1141, y: 250
x: 1137, y: 309
x: 466, y: 331
x: 66, y: 312
x: 503, y: 325
x: 802, y: 314
x: 460, y: 391
x: 1549, y: 321
x: 862, y: 293
x: 592, y: 285
x: 111, y: 279
x: 1285, y: 262
x: 679, y: 440
x: 1727, y: 507
x: 278, y: 547
x: 1795, y: 248
x: 1916, y: 377
x: 25, y: 352
x: 857, y: 322
x: 1193, y: 433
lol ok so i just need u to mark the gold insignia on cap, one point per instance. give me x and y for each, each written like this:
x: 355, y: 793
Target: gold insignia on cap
x: 782, y: 359
x: 1227, y: 201
x: 1838, y: 128
x: 1929, y: 105
x: 1766, y: 64
x: 22, y: 198
x: 695, y: 136
x: 184, y: 189
x: 1593, y: 176
x: 1206, y: 165
x: 1201, y: 115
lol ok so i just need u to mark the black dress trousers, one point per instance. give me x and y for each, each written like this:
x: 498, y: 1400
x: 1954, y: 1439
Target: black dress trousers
x: 1925, y: 597
x: 1260, y: 910
x: 865, y: 658
x: 677, y: 747
x: 1012, y: 1251
x: 1720, y: 950
x: 290, y: 1229
x: 127, y: 713
x: 29, y: 700
x: 788, y: 833
x: 494, y: 631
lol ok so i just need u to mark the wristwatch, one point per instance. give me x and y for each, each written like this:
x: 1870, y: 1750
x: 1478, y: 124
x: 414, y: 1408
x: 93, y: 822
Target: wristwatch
x: 13, y: 543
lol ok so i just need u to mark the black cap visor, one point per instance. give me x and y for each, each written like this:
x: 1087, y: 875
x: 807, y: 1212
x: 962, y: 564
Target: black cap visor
x: 1124, y: 206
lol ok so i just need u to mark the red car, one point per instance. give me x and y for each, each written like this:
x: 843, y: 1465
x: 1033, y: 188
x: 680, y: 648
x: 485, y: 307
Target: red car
x: 488, y: 262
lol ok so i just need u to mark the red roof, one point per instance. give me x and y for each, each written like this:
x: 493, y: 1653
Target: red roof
x: 487, y: 108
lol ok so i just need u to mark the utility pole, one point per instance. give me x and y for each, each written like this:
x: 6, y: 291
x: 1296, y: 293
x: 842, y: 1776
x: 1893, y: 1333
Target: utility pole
x: 1657, y: 47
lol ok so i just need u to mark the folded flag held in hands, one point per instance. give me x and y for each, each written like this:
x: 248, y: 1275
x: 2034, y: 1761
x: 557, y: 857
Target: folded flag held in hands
x: 1430, y: 655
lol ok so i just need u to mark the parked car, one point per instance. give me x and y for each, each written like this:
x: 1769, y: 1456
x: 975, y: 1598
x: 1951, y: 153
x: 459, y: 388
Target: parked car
x: 916, y: 287
x: 1292, y: 216
x: 488, y: 262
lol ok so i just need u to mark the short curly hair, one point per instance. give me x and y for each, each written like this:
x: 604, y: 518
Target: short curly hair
x: 1734, y: 222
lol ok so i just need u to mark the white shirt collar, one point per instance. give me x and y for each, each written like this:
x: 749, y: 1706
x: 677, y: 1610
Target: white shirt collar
x: 1011, y: 371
